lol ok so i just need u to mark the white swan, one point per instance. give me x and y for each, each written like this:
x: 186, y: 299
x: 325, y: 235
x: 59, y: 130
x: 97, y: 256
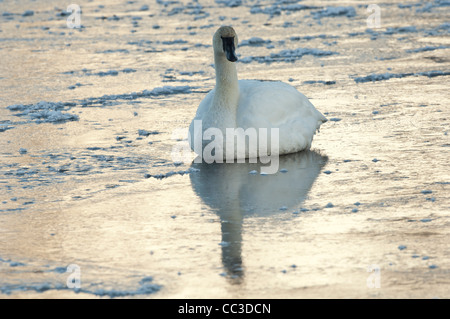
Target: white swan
x: 251, y: 104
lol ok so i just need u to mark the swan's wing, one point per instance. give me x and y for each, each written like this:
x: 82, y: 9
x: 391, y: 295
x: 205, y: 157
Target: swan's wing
x: 279, y: 105
x: 273, y: 104
x: 204, y: 105
x: 202, y: 110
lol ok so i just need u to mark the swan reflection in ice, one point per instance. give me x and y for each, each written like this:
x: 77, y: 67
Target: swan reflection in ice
x: 235, y: 191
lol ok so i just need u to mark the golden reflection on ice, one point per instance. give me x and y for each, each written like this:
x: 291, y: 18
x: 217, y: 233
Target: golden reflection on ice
x: 237, y: 190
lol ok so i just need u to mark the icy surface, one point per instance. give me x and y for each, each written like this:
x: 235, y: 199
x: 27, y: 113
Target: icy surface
x: 91, y: 117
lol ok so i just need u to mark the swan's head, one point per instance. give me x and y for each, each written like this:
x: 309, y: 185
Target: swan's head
x: 225, y: 42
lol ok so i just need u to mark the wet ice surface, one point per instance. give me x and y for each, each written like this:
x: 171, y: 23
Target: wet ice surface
x: 89, y: 118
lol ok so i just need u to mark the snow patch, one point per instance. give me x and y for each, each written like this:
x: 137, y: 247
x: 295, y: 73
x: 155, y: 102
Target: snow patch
x: 287, y: 55
x: 254, y: 41
x: 172, y: 173
x: 335, y: 12
x: 45, y: 112
x: 428, y: 48
x: 386, y: 76
x: 230, y: 3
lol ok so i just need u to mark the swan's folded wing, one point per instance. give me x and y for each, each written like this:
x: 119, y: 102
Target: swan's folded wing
x: 273, y: 104
x: 279, y: 105
x: 204, y: 106
x: 203, y: 109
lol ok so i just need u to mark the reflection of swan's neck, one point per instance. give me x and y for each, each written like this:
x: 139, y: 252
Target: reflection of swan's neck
x: 227, y: 87
x: 231, y: 227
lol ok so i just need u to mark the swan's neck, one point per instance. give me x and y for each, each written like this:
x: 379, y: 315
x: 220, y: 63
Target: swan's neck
x: 227, y: 87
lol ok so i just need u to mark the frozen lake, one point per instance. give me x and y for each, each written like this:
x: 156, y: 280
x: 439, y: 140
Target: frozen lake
x: 89, y: 118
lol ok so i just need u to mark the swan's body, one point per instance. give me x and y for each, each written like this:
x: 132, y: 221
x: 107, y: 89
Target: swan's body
x: 253, y: 104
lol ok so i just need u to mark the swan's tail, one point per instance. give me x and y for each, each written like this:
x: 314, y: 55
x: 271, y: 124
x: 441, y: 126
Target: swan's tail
x: 322, y: 119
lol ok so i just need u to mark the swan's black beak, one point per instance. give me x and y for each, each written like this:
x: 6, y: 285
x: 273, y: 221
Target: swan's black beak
x: 229, y: 49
